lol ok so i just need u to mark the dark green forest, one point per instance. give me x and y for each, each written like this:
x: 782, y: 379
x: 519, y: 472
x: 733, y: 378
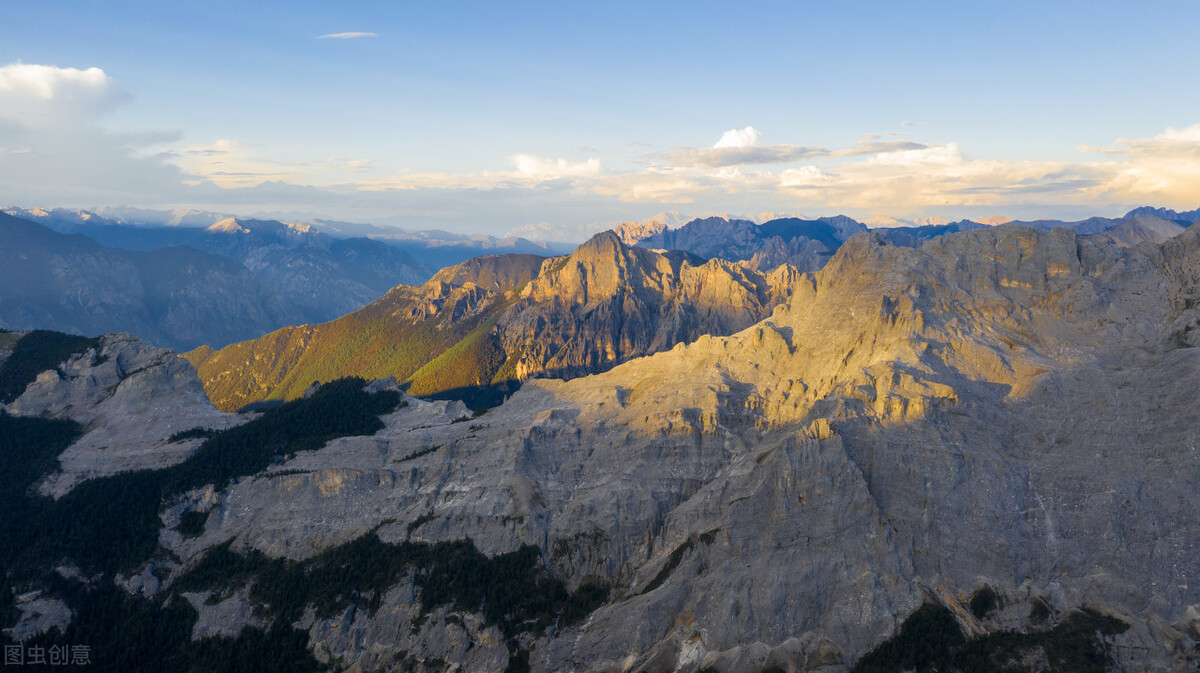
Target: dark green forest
x: 34, y: 353
x: 111, y: 524
x: 930, y: 639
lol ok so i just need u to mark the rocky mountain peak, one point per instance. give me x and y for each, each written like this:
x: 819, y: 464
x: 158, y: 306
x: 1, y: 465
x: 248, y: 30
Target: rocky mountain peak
x: 1184, y: 218
x: 604, y: 246
x: 1141, y: 228
x: 499, y: 273
x: 247, y: 226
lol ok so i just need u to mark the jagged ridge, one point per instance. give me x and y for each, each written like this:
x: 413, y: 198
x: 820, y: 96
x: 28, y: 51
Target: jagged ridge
x: 498, y: 319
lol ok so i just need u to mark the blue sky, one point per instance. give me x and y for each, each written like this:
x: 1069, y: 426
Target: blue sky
x: 492, y: 116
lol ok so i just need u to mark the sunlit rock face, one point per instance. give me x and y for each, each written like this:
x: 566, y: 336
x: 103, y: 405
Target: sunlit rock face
x: 506, y: 318
x: 608, y: 302
x: 1001, y: 407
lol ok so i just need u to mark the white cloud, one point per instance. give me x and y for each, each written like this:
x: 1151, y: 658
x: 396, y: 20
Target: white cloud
x: 345, y: 36
x: 940, y: 155
x: 739, y: 147
x: 529, y: 165
x: 940, y: 176
x: 53, y: 152
x: 1190, y: 135
x: 804, y: 177
x: 739, y: 138
x: 44, y: 96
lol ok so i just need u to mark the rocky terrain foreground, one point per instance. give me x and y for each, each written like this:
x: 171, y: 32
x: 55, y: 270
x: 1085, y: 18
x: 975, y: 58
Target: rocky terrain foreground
x: 1000, y: 425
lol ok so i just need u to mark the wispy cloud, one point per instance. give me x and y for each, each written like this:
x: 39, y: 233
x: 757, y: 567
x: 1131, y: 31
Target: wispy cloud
x: 721, y: 157
x: 874, y: 146
x: 873, y: 175
x: 231, y: 164
x: 740, y: 147
x: 345, y: 36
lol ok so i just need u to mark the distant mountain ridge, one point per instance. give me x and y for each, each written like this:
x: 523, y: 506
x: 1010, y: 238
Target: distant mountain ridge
x: 173, y: 296
x: 145, y: 229
x: 1186, y: 218
x: 261, y: 275
x: 805, y: 244
x: 1139, y: 229
x: 808, y: 244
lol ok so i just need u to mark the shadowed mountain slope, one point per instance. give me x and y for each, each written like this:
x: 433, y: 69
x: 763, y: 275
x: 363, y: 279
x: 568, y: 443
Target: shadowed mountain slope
x: 1140, y: 228
x: 172, y: 296
x: 804, y: 244
x: 319, y: 275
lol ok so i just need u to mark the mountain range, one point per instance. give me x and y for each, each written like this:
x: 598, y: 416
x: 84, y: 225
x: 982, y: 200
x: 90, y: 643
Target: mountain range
x: 145, y: 229
x: 977, y: 453
x: 175, y: 296
x: 469, y: 336
x: 488, y: 323
x: 807, y: 244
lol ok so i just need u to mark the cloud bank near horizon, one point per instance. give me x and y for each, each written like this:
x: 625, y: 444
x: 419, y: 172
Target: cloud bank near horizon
x: 54, y: 150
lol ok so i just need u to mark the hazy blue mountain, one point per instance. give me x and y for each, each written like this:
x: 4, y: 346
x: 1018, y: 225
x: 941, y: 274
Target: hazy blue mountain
x: 805, y: 244
x: 144, y: 229
x: 175, y: 296
x: 1186, y: 218
x: 915, y: 236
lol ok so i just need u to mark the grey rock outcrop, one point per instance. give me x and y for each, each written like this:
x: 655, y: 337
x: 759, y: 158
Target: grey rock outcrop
x: 130, y: 397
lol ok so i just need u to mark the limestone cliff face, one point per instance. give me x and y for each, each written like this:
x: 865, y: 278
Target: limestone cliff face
x: 1136, y: 229
x: 1003, y: 407
x: 129, y: 397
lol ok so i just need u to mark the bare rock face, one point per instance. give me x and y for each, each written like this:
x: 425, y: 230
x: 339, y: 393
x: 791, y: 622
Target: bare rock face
x: 1142, y: 228
x: 130, y: 397
x: 1001, y: 408
x: 608, y: 302
x: 631, y: 233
